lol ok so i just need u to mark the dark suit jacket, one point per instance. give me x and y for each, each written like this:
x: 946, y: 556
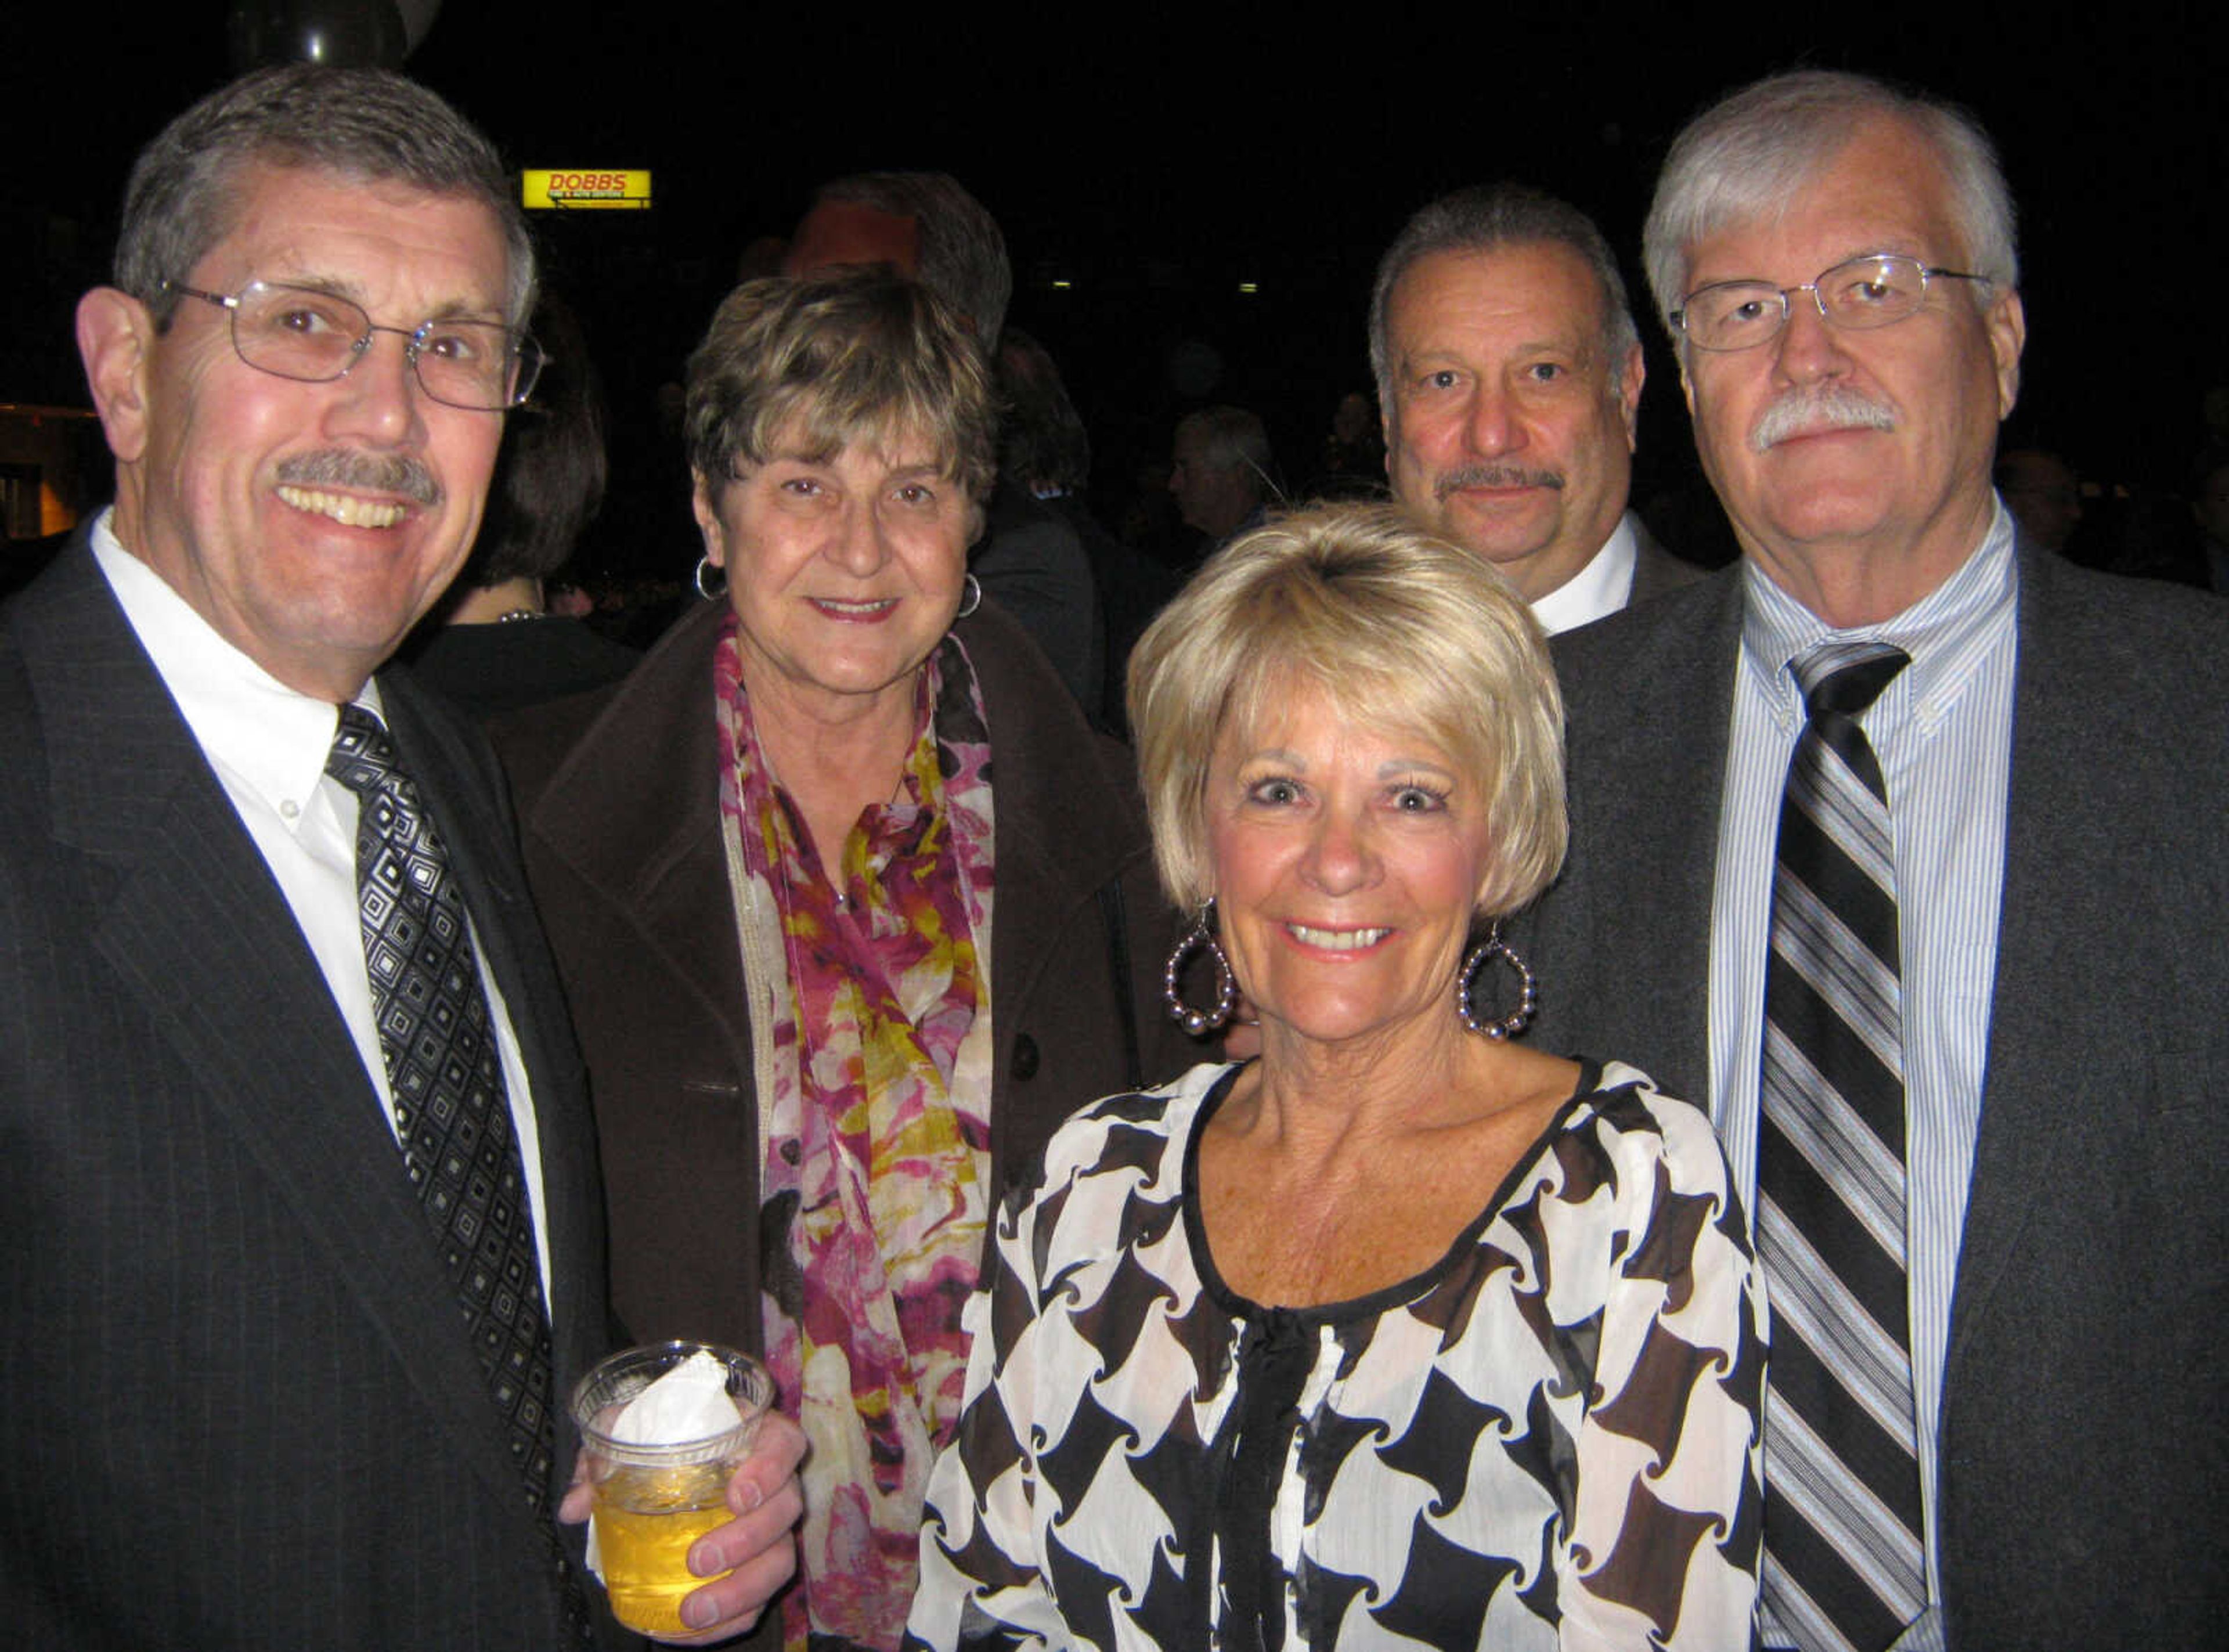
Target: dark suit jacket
x: 242, y: 1412
x: 2084, y: 1474
x: 1032, y: 563
x: 1655, y: 571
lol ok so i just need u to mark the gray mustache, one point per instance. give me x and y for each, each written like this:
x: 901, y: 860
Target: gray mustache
x: 1825, y: 407
x: 1494, y: 476
x: 370, y: 473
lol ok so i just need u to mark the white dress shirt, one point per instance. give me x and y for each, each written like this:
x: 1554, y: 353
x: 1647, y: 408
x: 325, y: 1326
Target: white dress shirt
x: 1942, y: 731
x: 267, y: 745
x: 1600, y: 588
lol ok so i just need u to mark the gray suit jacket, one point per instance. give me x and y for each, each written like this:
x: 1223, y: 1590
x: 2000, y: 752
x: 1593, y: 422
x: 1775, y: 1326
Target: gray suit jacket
x: 242, y: 1412
x: 1655, y: 571
x: 2085, y: 1478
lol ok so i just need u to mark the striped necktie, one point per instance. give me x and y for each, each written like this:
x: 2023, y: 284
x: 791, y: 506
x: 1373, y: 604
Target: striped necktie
x: 1844, y: 1565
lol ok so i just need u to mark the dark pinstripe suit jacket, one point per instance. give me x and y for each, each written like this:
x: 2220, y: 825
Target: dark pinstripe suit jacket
x: 241, y: 1411
x: 2084, y: 1474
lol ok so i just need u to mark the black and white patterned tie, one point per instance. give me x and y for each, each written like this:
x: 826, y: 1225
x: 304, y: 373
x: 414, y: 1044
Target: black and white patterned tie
x: 451, y: 1114
x: 1844, y: 1566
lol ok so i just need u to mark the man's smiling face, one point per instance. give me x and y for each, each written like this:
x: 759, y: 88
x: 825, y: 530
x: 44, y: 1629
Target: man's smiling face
x: 310, y: 524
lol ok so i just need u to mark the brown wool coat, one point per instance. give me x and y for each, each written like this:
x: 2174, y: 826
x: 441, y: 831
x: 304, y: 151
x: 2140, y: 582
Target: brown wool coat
x: 618, y: 797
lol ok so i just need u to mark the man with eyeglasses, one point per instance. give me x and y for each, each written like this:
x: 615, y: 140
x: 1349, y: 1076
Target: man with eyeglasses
x: 304, y: 1229
x: 1891, y: 843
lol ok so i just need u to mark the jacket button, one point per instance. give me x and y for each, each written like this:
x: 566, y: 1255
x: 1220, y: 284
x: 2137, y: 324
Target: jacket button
x: 1025, y: 1058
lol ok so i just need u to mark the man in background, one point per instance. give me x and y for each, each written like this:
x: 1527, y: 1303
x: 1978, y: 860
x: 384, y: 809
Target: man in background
x: 1509, y: 372
x: 924, y: 225
x: 1219, y: 465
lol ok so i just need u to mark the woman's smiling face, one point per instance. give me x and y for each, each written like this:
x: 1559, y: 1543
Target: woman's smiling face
x: 1347, y: 863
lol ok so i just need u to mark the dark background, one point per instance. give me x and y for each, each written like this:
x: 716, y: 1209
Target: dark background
x: 1156, y: 159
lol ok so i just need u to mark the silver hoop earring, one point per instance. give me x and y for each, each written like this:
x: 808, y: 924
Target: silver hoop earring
x: 706, y: 568
x: 972, y: 595
x: 1528, y: 994
x: 1202, y: 933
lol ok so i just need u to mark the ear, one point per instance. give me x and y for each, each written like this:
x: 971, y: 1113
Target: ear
x: 116, y: 341
x: 1628, y: 395
x: 707, y: 513
x: 2007, y: 326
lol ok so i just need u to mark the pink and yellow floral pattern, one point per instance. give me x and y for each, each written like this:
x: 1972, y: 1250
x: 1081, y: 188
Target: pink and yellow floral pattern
x: 874, y: 1133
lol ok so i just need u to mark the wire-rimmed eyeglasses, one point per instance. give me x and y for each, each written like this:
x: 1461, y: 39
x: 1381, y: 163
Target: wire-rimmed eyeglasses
x: 300, y: 333
x: 1873, y: 290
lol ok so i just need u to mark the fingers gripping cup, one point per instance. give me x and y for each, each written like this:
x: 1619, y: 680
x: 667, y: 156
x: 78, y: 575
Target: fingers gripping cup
x: 663, y: 1427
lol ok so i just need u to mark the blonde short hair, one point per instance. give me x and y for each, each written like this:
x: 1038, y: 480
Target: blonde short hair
x: 1398, y: 628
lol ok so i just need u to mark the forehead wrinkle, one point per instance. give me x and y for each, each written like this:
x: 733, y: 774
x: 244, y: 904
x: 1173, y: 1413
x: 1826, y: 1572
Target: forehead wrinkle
x: 1581, y: 328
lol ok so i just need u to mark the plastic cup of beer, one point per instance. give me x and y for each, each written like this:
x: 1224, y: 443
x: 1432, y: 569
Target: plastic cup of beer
x: 653, y: 1502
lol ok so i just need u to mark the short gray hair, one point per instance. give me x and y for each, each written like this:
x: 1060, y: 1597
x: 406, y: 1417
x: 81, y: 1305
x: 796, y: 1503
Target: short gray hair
x: 963, y: 256
x: 1230, y: 439
x: 1750, y: 156
x: 370, y: 126
x: 1399, y: 629
x: 816, y: 363
x: 1486, y: 218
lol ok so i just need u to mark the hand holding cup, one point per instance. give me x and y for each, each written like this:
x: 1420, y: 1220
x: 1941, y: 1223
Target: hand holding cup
x: 689, y: 1475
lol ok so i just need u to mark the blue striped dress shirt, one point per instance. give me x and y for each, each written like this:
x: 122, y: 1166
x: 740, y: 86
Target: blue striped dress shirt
x: 1942, y: 731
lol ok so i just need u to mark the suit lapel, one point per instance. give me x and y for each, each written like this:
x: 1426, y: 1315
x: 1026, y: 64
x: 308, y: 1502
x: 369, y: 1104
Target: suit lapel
x: 1645, y: 833
x: 633, y: 811
x: 189, y: 916
x: 1655, y: 571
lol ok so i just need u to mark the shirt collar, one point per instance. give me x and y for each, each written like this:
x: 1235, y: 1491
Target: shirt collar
x: 1947, y: 633
x: 273, y: 738
x: 1599, y: 589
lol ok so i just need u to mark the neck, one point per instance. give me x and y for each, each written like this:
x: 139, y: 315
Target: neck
x: 1551, y: 570
x: 835, y: 755
x: 1317, y: 1093
x: 1862, y: 581
x: 485, y: 604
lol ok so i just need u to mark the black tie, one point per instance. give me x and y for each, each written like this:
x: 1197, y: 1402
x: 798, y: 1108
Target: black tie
x: 1844, y: 1566
x: 451, y: 1116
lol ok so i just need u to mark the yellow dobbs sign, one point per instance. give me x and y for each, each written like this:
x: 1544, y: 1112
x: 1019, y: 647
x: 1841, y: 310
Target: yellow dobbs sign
x: 581, y: 189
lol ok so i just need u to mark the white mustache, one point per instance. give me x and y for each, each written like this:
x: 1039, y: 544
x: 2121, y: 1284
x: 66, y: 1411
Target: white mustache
x: 1808, y: 412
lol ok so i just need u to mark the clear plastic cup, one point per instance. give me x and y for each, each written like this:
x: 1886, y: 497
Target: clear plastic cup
x: 652, y: 1502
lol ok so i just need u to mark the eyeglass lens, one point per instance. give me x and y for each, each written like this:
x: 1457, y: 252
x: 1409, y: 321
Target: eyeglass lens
x: 1870, y: 291
x: 298, y: 333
